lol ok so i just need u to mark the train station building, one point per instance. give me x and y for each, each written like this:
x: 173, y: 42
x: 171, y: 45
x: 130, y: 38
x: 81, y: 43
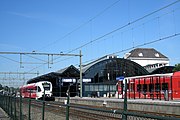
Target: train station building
x: 99, y: 77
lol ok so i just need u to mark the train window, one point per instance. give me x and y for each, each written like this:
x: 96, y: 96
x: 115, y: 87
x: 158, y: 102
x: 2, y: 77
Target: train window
x: 39, y: 89
x: 139, y: 88
x: 164, y: 86
x: 25, y: 89
x: 151, y: 87
x: 144, y: 87
x: 157, y: 87
x: 46, y: 86
x: 29, y: 90
x: 132, y: 87
x: 33, y: 91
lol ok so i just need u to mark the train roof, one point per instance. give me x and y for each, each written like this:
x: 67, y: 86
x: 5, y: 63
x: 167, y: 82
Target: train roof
x: 147, y: 76
x: 33, y: 84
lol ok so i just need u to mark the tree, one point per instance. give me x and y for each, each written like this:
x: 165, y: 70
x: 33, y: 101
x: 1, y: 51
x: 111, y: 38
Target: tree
x: 177, y: 67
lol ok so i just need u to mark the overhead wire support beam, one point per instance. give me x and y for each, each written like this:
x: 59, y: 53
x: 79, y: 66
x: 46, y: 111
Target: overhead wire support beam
x: 18, y: 73
x: 50, y: 61
x: 36, y: 53
x: 14, y: 79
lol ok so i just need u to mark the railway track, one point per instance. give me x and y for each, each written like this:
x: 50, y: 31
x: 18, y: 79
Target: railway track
x: 76, y: 112
x: 88, y: 112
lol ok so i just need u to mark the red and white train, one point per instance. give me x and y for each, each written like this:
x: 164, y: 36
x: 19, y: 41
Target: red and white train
x: 37, y: 90
x: 157, y: 86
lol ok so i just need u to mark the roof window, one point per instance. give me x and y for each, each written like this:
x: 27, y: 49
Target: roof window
x: 156, y: 54
x: 140, y: 54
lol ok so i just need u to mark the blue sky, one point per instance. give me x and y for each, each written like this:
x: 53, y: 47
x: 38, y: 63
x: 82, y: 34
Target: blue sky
x: 64, y: 25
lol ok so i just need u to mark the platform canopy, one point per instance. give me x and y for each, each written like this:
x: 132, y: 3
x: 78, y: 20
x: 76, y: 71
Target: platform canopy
x: 68, y: 72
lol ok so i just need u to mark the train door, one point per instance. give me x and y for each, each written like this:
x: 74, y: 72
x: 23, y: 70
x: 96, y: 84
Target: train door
x: 120, y: 89
x: 38, y: 92
x: 175, y: 86
x: 131, y: 89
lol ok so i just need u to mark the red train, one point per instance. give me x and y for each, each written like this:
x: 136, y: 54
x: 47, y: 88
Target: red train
x: 157, y: 86
x: 37, y: 90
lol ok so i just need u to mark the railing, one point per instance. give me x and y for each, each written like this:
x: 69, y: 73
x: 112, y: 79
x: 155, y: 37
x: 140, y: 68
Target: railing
x: 19, y: 108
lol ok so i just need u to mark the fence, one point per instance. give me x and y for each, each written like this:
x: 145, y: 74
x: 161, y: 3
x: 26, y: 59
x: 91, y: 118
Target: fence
x: 19, y: 108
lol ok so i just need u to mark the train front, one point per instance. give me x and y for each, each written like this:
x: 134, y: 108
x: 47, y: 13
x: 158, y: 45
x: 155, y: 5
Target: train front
x: 44, y: 90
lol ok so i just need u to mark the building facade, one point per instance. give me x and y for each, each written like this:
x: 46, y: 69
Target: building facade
x: 149, y: 58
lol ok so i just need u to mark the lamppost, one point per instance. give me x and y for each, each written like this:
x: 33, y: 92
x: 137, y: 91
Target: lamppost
x: 109, y: 83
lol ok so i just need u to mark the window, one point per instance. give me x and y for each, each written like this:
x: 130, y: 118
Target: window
x: 151, y: 87
x: 46, y: 86
x: 33, y: 90
x: 144, y: 87
x: 132, y: 87
x: 87, y: 88
x: 164, y: 86
x: 91, y: 88
x: 114, y: 87
x: 139, y: 88
x: 105, y: 88
x: 157, y: 87
x: 156, y: 54
x: 100, y: 87
x: 95, y: 88
x: 39, y: 89
x: 140, y: 54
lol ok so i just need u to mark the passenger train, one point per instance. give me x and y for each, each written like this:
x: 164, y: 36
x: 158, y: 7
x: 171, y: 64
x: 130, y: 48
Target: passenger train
x: 37, y: 90
x: 157, y: 86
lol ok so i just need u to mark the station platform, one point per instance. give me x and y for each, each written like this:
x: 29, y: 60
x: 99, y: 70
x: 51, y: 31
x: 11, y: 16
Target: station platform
x: 144, y: 105
x: 3, y: 115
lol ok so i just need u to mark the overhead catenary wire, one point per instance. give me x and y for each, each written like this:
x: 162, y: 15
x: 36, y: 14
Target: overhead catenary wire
x: 9, y: 59
x: 148, y: 21
x: 148, y: 43
x: 140, y: 45
x: 83, y: 24
x: 124, y: 26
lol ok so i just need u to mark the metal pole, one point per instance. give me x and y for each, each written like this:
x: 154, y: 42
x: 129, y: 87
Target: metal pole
x: 124, y: 116
x: 9, y: 108
x: 11, y: 103
x: 43, y: 107
x: 60, y: 82
x: 29, y: 112
x: 20, y: 104
x: 67, y: 105
x: 108, y: 85
x: 15, y: 107
x: 80, y: 55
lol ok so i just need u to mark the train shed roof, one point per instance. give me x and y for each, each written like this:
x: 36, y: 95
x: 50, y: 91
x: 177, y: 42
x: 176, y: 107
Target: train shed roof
x: 68, y: 72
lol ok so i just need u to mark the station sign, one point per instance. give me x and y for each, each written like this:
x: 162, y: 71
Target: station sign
x: 69, y: 80
x: 120, y: 78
